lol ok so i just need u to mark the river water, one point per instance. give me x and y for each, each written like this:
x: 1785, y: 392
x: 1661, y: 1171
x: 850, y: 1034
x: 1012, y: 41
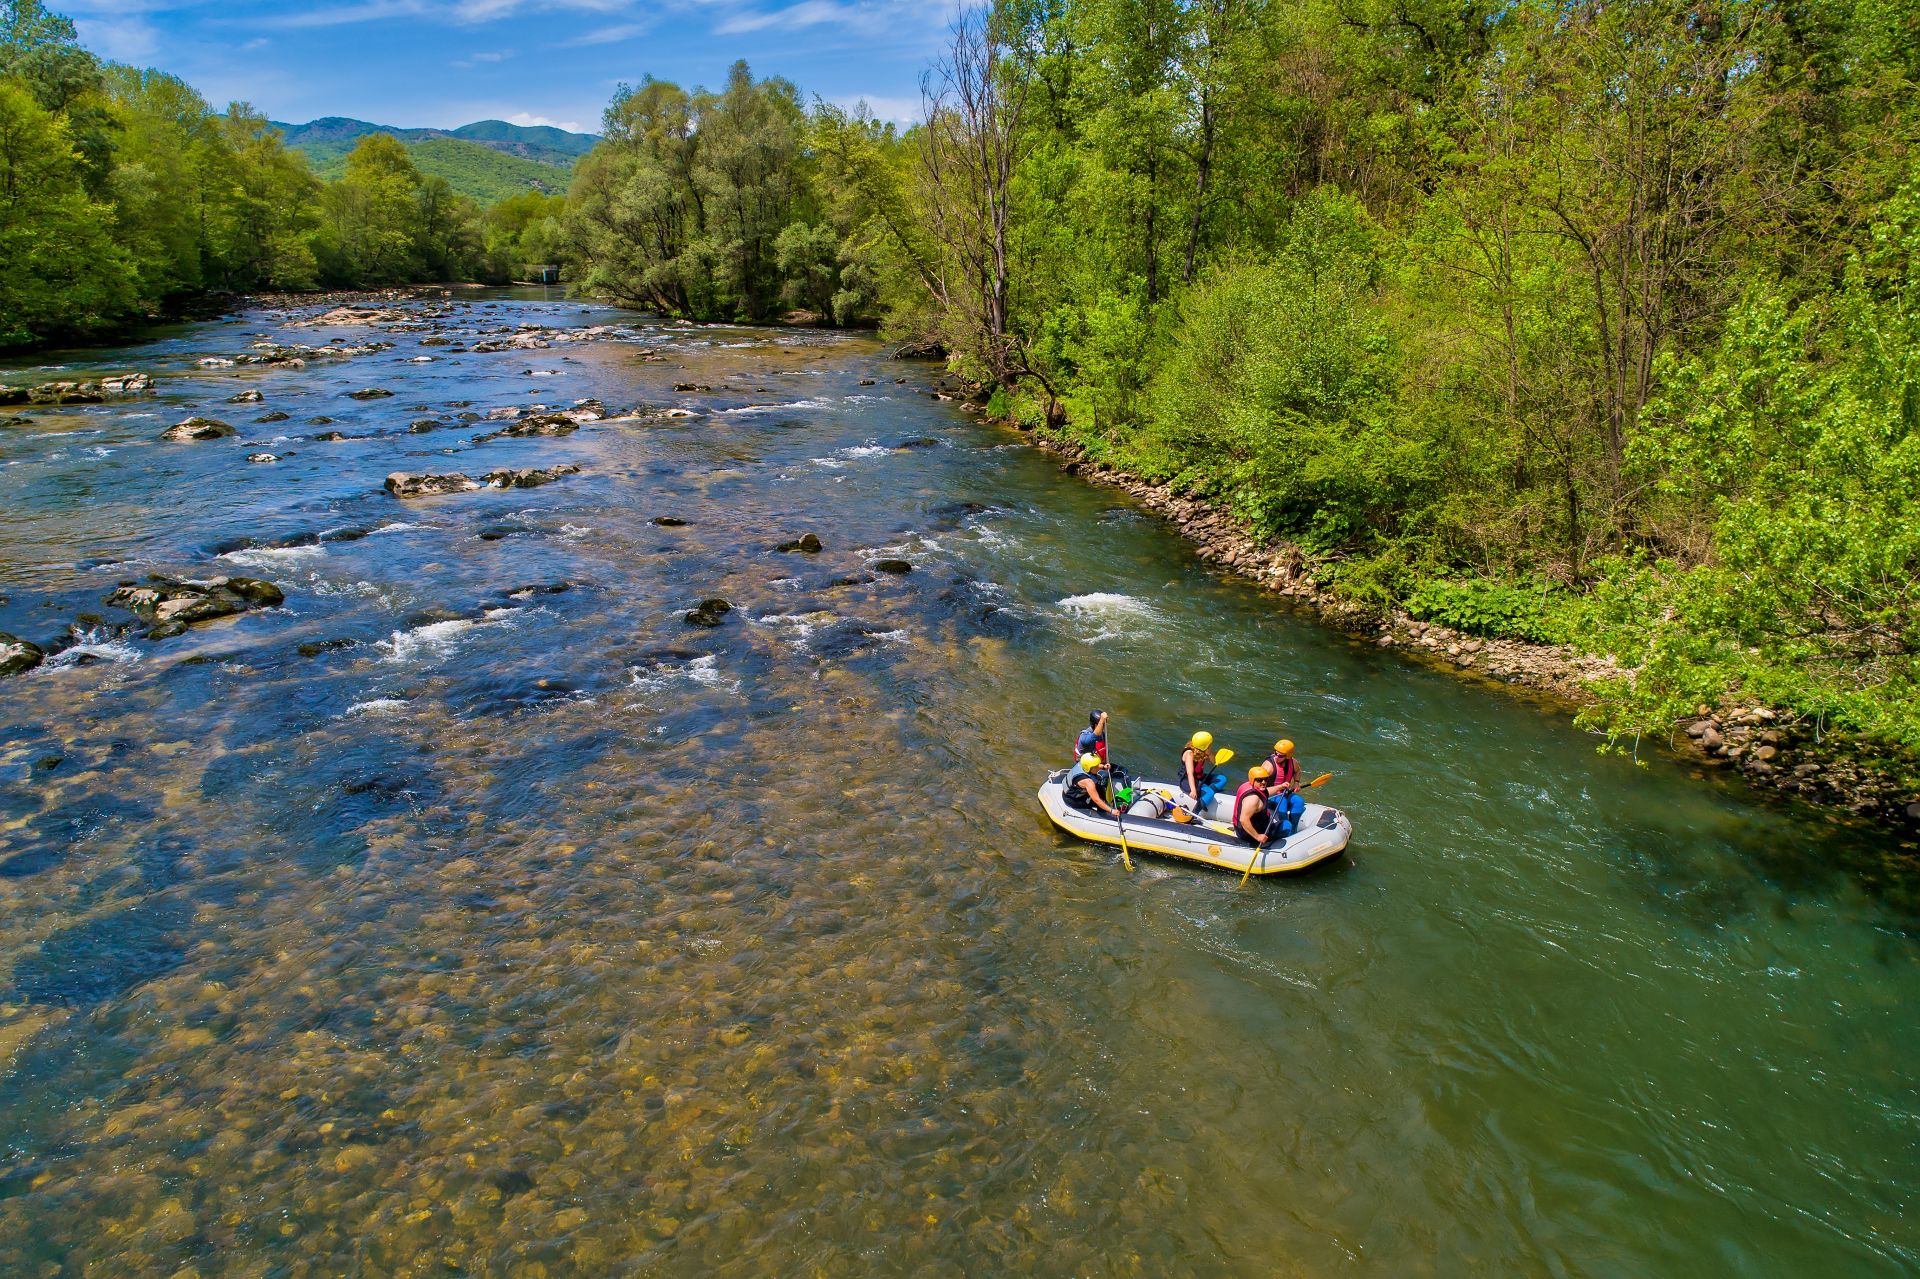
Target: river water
x: 428, y: 924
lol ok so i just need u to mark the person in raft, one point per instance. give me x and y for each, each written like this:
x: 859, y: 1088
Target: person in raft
x: 1286, y: 801
x: 1086, y: 785
x: 1093, y: 738
x: 1198, y: 777
x: 1252, y: 807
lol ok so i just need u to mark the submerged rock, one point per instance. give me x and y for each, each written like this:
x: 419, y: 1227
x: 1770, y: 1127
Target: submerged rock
x: 669, y: 521
x: 17, y: 656
x: 169, y: 605
x: 537, y: 425
x: 806, y: 544
x: 106, y: 388
x: 275, y: 416
x: 528, y: 477
x: 263, y: 457
x: 370, y: 393
x: 197, y: 428
x: 892, y: 566
x: 709, y: 612
x: 406, y: 484
x: 246, y: 397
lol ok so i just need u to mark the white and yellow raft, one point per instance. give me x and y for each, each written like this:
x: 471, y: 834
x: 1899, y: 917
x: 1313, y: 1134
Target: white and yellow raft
x: 1323, y: 832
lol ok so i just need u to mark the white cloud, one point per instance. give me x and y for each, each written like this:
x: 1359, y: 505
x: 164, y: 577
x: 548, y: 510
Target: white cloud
x: 615, y: 34
x: 898, y: 110
x: 808, y: 13
x: 526, y: 121
x: 127, y: 38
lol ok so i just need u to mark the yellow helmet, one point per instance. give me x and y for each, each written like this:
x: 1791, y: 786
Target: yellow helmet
x: 1260, y: 772
x: 1201, y: 740
x: 1284, y: 746
x: 1089, y: 762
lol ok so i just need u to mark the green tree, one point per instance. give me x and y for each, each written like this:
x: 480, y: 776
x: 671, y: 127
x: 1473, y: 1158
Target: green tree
x: 62, y: 270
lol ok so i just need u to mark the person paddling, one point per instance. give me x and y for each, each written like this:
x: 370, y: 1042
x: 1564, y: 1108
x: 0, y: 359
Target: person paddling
x: 1252, y: 809
x: 1086, y: 785
x: 1093, y: 738
x: 1198, y: 777
x: 1287, y: 802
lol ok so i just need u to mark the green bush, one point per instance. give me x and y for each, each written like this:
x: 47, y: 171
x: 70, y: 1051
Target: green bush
x: 1489, y: 608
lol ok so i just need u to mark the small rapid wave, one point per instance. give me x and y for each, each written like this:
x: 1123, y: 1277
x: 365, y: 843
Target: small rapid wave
x: 1109, y: 613
x: 274, y: 557
x: 438, y: 638
x: 749, y: 410
x: 704, y: 671
x: 93, y: 646
x: 377, y: 706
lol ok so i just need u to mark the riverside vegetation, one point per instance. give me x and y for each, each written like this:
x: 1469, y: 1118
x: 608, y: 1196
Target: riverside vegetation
x: 1584, y: 324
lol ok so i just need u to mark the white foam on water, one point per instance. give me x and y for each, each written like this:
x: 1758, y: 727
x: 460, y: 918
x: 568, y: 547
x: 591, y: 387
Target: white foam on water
x: 749, y: 409
x: 704, y: 671
x: 95, y: 644
x: 273, y: 557
x: 1106, y: 611
x: 575, y: 532
x: 376, y: 706
x: 398, y: 526
x: 1108, y: 602
x: 99, y: 451
x: 436, y: 638
x: 866, y: 450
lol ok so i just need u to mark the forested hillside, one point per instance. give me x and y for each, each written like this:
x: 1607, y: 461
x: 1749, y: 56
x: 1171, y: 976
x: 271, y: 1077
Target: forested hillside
x: 477, y: 172
x: 485, y: 161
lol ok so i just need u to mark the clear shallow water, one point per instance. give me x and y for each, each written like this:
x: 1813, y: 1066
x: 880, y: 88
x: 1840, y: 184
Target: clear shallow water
x: 540, y: 932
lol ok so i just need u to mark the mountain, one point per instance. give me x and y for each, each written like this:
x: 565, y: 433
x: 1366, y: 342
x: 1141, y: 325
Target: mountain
x: 487, y: 160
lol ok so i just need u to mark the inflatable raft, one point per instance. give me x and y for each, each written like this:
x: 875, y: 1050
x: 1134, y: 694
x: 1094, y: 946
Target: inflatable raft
x: 1323, y: 832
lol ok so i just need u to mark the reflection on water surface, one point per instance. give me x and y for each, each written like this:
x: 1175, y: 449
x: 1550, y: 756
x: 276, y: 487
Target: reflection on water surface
x: 474, y: 913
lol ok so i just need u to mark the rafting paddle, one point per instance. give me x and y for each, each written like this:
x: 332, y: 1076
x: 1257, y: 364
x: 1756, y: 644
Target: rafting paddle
x: 1113, y: 797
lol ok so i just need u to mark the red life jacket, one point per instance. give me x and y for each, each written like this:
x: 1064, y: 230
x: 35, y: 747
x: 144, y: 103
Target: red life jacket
x: 1240, y: 797
x: 1286, y: 769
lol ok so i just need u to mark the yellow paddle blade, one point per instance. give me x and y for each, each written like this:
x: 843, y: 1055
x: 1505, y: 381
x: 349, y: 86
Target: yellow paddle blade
x: 1226, y: 753
x: 1317, y: 781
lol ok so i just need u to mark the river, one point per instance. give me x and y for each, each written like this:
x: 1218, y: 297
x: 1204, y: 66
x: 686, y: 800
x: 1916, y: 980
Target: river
x: 432, y: 924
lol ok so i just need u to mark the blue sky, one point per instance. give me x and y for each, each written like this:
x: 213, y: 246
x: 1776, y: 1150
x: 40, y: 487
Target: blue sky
x: 443, y: 63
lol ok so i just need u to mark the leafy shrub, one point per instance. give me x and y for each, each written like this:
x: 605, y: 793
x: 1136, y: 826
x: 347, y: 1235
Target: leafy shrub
x: 1490, y: 608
